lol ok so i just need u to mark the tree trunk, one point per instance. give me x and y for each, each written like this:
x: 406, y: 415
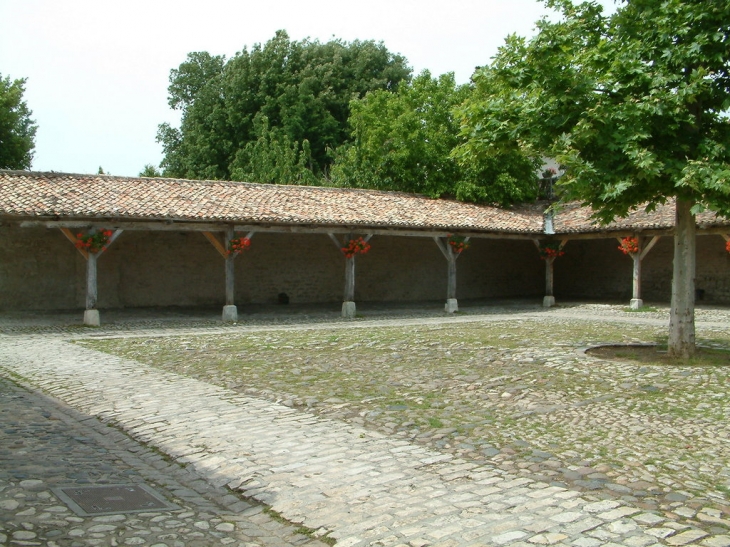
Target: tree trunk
x: 682, y: 316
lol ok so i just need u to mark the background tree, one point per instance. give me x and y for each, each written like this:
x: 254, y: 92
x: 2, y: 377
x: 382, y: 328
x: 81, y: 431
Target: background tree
x: 301, y: 88
x: 633, y: 105
x: 405, y: 141
x: 273, y: 157
x: 150, y: 171
x: 17, y: 130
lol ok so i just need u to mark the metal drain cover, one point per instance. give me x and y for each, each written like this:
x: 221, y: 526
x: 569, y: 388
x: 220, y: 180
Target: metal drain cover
x: 109, y: 499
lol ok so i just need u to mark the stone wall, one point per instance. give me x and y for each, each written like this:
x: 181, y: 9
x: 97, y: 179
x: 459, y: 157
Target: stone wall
x: 40, y: 269
x: 596, y: 269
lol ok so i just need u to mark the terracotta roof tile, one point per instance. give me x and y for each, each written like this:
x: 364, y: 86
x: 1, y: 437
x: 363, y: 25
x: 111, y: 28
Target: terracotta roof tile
x: 572, y: 218
x: 24, y: 194
x: 31, y: 194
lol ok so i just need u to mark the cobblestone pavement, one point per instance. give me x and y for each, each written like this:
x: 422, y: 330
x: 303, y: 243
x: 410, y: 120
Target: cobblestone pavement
x: 352, y: 484
x: 45, y: 444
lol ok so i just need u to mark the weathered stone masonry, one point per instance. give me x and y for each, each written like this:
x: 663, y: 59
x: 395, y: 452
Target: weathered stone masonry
x: 40, y: 269
x: 171, y: 247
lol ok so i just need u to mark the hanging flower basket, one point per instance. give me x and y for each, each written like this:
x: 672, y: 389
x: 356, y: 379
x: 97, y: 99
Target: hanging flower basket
x: 629, y: 245
x: 458, y: 243
x: 93, y: 243
x: 356, y: 246
x: 550, y: 249
x: 237, y: 245
x: 727, y: 246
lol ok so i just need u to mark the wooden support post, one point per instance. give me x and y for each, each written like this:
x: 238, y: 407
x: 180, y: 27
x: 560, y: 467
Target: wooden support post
x: 349, y: 308
x: 451, y: 284
x: 349, y: 279
x: 549, y: 300
x: 91, y: 314
x: 636, y: 301
x: 230, y: 312
x: 452, y: 304
x: 637, y: 258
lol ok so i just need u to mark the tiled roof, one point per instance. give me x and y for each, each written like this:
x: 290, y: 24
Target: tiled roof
x: 572, y: 218
x: 30, y: 194
x: 25, y: 194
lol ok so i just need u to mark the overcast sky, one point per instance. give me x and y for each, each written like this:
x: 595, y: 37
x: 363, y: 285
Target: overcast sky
x: 98, y: 70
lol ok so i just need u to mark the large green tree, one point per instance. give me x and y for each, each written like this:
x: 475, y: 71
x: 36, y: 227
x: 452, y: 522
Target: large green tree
x: 17, y: 130
x: 291, y: 94
x: 633, y: 105
x: 405, y: 141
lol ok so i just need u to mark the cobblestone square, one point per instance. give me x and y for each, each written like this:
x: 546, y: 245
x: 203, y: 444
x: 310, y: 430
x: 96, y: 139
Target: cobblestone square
x: 491, y: 420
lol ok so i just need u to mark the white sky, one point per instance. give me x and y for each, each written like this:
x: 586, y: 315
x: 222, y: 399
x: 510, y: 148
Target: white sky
x: 98, y: 70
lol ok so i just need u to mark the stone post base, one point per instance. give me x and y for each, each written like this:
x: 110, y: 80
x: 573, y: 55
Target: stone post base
x: 91, y: 318
x: 348, y: 310
x: 548, y: 302
x: 636, y: 303
x: 230, y: 314
x: 452, y: 305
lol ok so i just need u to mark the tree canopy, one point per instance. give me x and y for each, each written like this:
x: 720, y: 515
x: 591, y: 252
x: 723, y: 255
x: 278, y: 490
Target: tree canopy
x: 634, y: 107
x: 404, y: 141
x: 17, y: 130
x: 283, y: 95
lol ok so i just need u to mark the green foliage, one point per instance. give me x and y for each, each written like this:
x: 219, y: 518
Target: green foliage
x: 150, y: 171
x: 405, y: 141
x: 273, y: 157
x: 633, y: 105
x: 290, y: 96
x: 17, y: 130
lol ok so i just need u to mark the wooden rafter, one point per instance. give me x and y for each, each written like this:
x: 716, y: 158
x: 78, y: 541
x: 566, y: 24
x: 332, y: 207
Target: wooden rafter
x: 216, y: 243
x: 649, y: 246
x: 69, y: 235
x: 72, y: 239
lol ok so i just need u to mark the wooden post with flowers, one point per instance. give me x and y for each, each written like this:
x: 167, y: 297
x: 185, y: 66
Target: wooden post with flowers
x: 451, y: 250
x: 91, y: 246
x: 549, y: 251
x: 353, y: 246
x: 234, y: 247
x: 633, y: 246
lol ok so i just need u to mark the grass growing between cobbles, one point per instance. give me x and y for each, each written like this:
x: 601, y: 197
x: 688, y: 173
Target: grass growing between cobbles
x: 515, y: 393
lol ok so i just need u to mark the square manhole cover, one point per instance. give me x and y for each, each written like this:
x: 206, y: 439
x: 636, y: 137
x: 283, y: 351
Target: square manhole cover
x: 109, y: 499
